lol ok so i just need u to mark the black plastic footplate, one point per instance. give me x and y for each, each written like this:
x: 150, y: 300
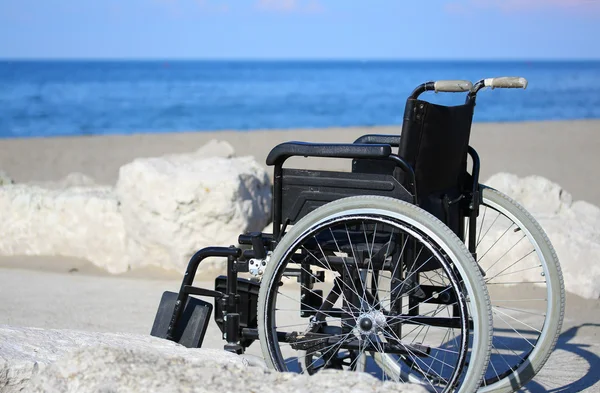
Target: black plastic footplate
x: 192, y: 325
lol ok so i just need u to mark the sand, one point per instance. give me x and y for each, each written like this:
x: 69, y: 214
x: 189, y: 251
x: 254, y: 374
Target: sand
x: 57, y: 292
x: 85, y: 301
x: 566, y: 152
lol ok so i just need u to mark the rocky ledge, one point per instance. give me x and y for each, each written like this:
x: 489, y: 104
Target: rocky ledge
x: 49, y: 361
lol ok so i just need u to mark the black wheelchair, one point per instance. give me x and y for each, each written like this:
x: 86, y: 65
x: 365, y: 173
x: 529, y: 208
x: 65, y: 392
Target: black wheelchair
x: 405, y: 267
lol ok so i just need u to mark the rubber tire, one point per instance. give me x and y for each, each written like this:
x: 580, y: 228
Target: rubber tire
x: 556, y: 306
x: 479, y: 302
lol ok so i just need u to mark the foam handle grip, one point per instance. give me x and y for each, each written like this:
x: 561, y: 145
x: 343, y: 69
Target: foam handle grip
x: 507, y: 82
x: 452, y: 86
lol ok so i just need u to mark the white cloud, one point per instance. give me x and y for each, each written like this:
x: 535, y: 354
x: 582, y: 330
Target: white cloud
x: 288, y: 6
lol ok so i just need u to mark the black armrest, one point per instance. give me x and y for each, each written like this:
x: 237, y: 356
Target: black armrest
x: 283, y: 151
x: 392, y: 140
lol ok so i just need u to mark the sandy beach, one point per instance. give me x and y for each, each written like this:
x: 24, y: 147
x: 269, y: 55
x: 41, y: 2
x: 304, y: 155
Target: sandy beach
x: 57, y: 292
x: 134, y: 139
x: 566, y: 152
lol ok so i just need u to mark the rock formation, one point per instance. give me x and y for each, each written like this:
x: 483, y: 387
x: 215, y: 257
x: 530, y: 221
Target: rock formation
x: 161, y: 211
x: 174, y: 206
x: 49, y: 361
x: 573, y: 227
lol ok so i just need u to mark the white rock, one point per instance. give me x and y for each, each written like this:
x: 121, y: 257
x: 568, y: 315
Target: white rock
x: 123, y: 370
x: 538, y: 195
x: 82, y: 222
x: 148, y: 366
x: 38, y: 360
x: 174, y: 205
x: 572, y: 227
x: 162, y: 210
x: 216, y: 148
x: 24, y: 352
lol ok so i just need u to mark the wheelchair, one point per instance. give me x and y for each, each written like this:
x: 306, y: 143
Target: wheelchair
x: 404, y: 267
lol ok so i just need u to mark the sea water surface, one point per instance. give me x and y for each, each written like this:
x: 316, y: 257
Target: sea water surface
x: 48, y: 98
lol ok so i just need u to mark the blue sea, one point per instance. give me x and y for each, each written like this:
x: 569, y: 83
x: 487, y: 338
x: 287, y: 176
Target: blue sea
x: 50, y: 98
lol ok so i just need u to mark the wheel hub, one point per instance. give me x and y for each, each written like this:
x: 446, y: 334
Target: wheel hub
x: 366, y: 324
x: 370, y: 322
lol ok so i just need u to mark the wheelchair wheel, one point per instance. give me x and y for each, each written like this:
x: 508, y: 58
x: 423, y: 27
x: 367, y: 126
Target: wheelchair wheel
x: 525, y: 283
x: 376, y: 285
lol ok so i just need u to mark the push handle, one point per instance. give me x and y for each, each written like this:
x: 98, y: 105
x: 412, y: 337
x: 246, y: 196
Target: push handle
x: 452, y: 86
x: 449, y: 86
x: 506, y: 82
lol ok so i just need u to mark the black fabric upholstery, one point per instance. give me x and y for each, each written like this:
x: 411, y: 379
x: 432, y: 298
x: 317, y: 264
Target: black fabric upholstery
x: 285, y: 150
x: 434, y: 142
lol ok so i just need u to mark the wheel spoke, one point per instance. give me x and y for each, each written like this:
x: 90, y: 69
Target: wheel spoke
x: 356, y: 307
x: 524, y: 256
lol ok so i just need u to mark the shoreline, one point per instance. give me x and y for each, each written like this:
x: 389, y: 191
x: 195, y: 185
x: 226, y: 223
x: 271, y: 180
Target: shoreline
x: 287, y: 129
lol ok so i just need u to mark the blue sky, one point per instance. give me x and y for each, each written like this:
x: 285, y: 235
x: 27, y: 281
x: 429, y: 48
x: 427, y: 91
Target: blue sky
x: 307, y: 29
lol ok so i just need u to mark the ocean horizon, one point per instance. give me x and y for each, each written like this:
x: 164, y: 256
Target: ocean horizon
x: 40, y: 98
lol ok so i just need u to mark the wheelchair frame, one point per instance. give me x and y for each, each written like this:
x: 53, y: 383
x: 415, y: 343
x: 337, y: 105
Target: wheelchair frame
x: 376, y: 170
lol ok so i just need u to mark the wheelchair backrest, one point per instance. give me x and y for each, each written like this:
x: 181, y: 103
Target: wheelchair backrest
x: 434, y: 141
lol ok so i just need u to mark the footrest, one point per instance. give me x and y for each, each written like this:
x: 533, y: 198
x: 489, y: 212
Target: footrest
x: 192, y: 325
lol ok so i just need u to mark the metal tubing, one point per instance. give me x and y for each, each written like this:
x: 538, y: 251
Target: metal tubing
x: 475, y: 200
x: 277, y: 200
x: 232, y: 328
x: 476, y: 164
x: 231, y: 282
x: 230, y: 315
x: 188, y: 279
x: 422, y: 88
x: 411, y: 174
x: 473, y: 93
